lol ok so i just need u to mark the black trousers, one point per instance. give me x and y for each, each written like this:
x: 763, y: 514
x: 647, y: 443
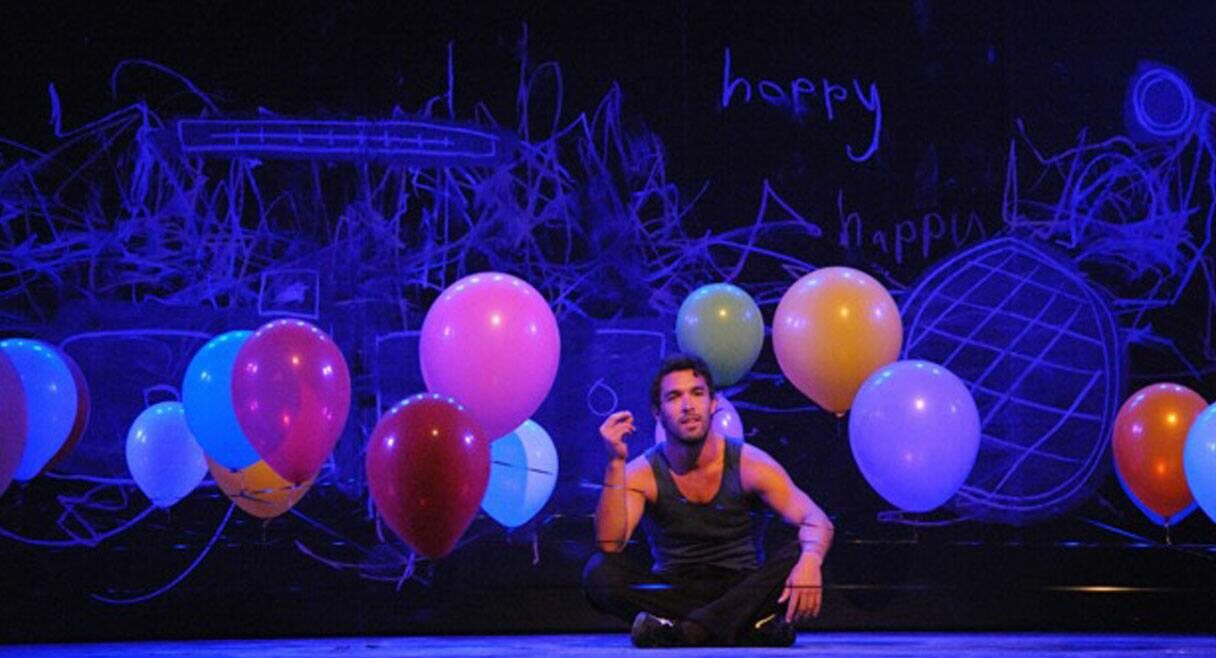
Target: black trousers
x: 724, y: 602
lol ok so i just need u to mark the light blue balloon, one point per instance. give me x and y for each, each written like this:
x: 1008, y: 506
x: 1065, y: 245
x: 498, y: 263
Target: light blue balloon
x: 50, y: 398
x: 523, y: 471
x: 162, y: 455
x: 1199, y: 460
x: 915, y: 432
x: 207, y: 397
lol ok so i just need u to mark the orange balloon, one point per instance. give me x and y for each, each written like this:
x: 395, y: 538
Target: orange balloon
x: 1150, y: 433
x: 833, y: 328
x: 257, y: 489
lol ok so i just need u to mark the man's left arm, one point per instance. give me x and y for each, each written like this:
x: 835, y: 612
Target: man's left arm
x: 804, y: 585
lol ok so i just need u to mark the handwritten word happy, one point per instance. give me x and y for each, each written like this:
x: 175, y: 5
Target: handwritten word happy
x: 799, y: 98
x: 925, y: 232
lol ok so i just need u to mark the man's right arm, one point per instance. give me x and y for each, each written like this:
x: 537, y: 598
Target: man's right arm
x: 623, y: 497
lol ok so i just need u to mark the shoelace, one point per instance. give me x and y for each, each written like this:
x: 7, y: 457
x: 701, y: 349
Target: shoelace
x: 764, y: 621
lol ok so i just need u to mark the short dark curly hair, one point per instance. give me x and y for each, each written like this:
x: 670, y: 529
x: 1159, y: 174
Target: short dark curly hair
x: 675, y: 363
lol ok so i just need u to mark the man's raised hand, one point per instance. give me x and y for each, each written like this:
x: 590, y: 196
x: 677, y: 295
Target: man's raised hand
x: 613, y: 431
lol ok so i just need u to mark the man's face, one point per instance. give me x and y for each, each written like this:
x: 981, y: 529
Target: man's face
x: 685, y: 406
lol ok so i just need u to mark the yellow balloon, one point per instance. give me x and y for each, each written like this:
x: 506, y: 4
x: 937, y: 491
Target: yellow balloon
x: 257, y: 489
x: 833, y: 328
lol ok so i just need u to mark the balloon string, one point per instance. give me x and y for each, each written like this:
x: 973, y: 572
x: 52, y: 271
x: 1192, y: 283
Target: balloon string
x: 408, y: 571
x: 1145, y: 541
x: 524, y: 468
x: 80, y: 541
x: 326, y: 529
x: 89, y: 478
x: 173, y: 583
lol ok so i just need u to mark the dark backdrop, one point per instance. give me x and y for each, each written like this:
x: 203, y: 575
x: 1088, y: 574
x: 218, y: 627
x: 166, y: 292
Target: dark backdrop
x: 962, y: 88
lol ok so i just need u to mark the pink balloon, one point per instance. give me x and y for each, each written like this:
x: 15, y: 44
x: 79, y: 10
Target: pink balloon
x: 726, y: 421
x: 291, y: 391
x: 492, y: 343
x: 12, y: 421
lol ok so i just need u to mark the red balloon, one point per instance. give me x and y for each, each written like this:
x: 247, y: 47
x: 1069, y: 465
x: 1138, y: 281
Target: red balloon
x: 428, y: 464
x: 1150, y: 433
x: 13, y: 426
x: 82, y: 413
x: 291, y: 391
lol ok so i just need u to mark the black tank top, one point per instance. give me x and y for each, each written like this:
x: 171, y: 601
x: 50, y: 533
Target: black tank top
x: 683, y: 534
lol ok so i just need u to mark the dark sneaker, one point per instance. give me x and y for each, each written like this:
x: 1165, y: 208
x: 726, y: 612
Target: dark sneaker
x: 772, y: 631
x: 654, y: 631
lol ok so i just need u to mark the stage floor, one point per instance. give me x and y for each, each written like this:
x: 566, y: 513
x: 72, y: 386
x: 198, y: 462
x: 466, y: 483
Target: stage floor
x: 897, y: 645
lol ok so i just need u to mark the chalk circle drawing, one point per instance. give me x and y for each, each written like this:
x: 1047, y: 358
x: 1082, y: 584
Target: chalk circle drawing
x: 1039, y: 350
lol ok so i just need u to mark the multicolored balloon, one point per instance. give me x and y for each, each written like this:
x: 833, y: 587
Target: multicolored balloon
x: 915, y: 433
x: 51, y: 401
x: 13, y: 428
x: 162, y: 455
x: 491, y: 342
x: 1149, y: 436
x: 81, y: 422
x: 833, y: 328
x: 721, y: 324
x: 210, y: 410
x: 257, y: 489
x: 428, y: 464
x: 291, y: 392
x: 523, y: 472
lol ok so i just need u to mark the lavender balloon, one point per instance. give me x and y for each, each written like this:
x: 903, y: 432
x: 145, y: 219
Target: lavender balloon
x: 915, y: 432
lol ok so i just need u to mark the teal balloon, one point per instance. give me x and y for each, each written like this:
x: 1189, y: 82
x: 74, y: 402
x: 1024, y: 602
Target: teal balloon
x: 523, y: 472
x: 721, y: 324
x: 162, y: 455
x: 207, y: 398
x: 50, y: 399
x: 1199, y: 460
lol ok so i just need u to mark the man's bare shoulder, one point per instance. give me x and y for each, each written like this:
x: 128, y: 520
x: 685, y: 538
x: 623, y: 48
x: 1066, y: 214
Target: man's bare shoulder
x: 751, y: 456
x: 758, y: 469
x: 641, y: 477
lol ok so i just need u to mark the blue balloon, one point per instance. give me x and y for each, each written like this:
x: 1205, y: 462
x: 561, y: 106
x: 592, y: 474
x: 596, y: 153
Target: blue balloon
x: 207, y: 397
x: 50, y: 398
x: 1199, y: 460
x: 915, y: 432
x: 523, y: 471
x: 163, y: 457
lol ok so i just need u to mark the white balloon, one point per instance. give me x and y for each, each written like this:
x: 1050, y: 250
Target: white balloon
x: 162, y: 455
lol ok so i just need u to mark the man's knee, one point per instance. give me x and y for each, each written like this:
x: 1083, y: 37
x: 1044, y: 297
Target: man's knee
x: 604, y: 578
x: 603, y: 572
